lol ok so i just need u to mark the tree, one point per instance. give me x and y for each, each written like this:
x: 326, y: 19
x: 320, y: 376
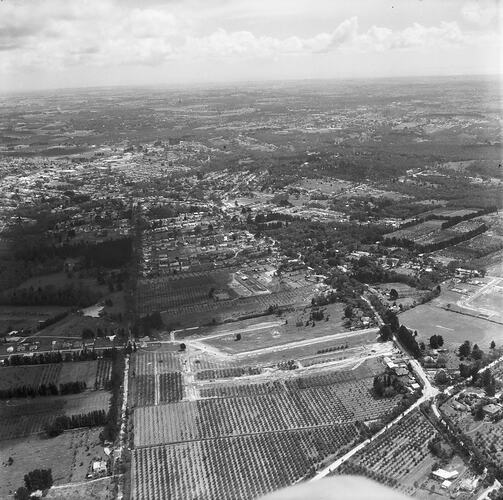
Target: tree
x: 38, y: 479
x: 385, y: 333
x: 22, y: 494
x: 493, y: 344
x: 477, y: 352
x: 183, y: 347
x: 464, y: 349
x: 441, y: 377
x: 348, y: 311
x: 436, y: 341
x: 238, y: 336
x: 393, y: 294
x: 392, y: 319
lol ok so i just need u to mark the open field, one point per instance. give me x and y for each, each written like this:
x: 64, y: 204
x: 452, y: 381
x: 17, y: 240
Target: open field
x: 27, y: 317
x: 488, y: 300
x: 276, y: 331
x: 85, y: 371
x: 69, y: 455
x: 73, y: 325
x: 23, y: 417
x: 104, y: 489
x: 454, y: 327
x: 30, y: 375
x: 236, y: 467
x: 201, y: 360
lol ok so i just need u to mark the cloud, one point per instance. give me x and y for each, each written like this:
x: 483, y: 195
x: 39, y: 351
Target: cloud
x: 58, y: 34
x: 483, y: 13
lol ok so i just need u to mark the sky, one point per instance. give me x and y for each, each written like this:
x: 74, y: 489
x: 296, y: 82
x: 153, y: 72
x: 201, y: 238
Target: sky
x: 47, y: 44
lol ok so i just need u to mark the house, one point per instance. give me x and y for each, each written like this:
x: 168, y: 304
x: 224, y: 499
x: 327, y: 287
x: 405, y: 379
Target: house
x: 99, y: 467
x: 491, y: 409
x: 443, y: 475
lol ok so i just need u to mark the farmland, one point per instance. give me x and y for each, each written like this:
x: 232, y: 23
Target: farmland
x: 319, y: 403
x: 236, y: 467
x: 400, y: 458
x: 147, y: 363
x: 29, y: 375
x: 95, y: 374
x: 430, y: 235
x: 155, y: 388
x: 173, y: 292
x: 205, y: 313
x: 23, y: 417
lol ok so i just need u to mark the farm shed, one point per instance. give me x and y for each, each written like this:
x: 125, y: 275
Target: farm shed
x: 444, y: 475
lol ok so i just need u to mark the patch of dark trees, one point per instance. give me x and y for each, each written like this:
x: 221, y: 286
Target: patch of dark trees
x: 111, y: 254
x: 387, y: 385
x: 56, y: 357
x: 67, y: 295
x: 64, y: 422
x: 27, y: 391
x: 38, y: 479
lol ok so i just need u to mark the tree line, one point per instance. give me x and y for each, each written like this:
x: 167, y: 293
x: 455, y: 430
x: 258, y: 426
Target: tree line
x: 28, y: 391
x: 64, y: 422
x: 67, y: 295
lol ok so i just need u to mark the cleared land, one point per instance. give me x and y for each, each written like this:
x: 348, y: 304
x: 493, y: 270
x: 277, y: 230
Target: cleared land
x: 261, y: 334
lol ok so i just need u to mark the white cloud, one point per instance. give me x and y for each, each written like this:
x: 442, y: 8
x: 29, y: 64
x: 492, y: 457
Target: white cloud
x: 483, y: 13
x: 58, y: 34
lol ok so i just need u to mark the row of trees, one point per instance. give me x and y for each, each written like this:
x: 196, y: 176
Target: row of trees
x: 68, y: 295
x: 64, y: 422
x: 51, y: 357
x: 25, y: 391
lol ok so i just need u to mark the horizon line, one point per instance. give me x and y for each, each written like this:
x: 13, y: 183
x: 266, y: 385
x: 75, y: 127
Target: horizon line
x: 224, y: 84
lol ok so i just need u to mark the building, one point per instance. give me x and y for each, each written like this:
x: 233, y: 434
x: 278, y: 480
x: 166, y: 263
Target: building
x: 443, y: 475
x: 491, y: 409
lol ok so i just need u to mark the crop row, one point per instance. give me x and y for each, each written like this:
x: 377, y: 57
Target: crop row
x: 292, y: 384
x: 150, y: 362
x: 104, y: 373
x: 237, y: 467
x: 397, y: 452
x: 171, y: 387
x: 212, y: 418
x: 237, y: 371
